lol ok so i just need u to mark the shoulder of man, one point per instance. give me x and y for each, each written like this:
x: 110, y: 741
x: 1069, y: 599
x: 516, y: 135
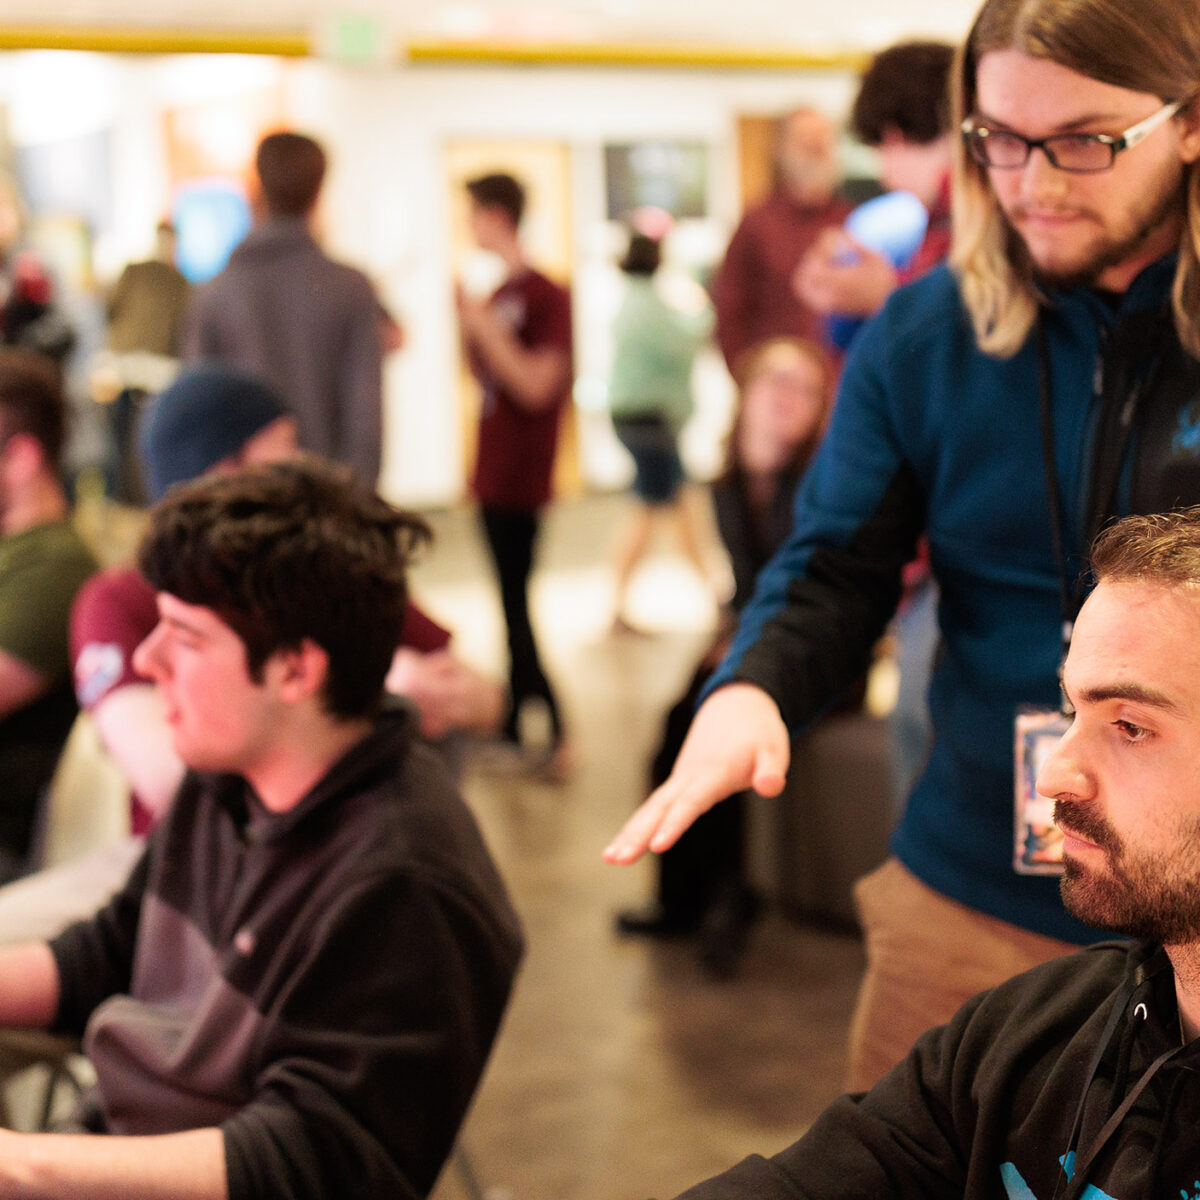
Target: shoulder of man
x: 112, y: 614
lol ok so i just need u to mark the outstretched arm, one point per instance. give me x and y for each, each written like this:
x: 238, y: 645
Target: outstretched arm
x: 736, y: 741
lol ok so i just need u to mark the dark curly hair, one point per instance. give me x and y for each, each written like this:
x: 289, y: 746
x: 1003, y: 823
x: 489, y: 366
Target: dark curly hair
x: 288, y: 552
x: 907, y: 88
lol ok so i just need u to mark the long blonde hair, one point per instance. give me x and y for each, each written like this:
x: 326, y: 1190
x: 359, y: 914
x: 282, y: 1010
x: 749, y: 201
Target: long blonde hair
x: 1144, y: 45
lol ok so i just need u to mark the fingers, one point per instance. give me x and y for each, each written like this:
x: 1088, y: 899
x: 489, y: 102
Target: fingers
x: 770, y: 770
x: 633, y: 838
x: 670, y: 810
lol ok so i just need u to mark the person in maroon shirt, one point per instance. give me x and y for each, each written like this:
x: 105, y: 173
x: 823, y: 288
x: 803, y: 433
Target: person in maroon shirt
x: 519, y: 346
x: 752, y: 291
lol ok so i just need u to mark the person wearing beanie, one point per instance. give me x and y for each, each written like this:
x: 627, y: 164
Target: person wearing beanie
x: 213, y: 416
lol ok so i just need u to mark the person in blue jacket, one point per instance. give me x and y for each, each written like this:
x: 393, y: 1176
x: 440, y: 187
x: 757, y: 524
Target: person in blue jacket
x: 1006, y: 406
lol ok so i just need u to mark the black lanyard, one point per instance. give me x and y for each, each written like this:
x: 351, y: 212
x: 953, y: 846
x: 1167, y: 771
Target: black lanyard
x: 1112, y: 441
x: 1068, y: 593
x: 1083, y: 1163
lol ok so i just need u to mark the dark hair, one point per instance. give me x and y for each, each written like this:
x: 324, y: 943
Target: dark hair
x: 291, y: 168
x: 31, y: 401
x: 291, y: 551
x: 643, y: 257
x: 501, y: 191
x: 906, y: 87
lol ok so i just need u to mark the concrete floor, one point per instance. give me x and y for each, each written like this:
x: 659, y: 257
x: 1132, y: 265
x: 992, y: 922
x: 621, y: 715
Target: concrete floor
x: 622, y: 1071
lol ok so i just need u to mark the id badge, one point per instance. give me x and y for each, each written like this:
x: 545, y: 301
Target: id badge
x: 1037, y: 843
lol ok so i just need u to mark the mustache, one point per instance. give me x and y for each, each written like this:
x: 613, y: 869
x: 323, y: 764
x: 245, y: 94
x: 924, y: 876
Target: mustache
x: 1080, y: 818
x: 1023, y: 208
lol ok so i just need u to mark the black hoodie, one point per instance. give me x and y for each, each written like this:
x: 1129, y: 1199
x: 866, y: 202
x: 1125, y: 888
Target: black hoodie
x: 1007, y: 1100
x: 323, y: 984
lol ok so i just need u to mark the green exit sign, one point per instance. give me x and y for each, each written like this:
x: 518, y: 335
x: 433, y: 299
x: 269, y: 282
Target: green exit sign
x: 355, y: 38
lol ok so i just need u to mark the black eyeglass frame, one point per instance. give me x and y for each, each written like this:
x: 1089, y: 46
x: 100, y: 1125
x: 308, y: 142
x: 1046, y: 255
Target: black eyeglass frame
x: 975, y: 134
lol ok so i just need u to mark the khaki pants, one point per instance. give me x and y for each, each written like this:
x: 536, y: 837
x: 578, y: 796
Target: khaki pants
x: 926, y: 956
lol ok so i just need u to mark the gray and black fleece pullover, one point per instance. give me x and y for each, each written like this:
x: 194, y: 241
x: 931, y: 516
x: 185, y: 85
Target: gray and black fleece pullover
x: 324, y: 985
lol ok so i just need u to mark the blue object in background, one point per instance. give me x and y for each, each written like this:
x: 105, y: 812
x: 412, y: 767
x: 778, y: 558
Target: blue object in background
x: 211, y: 217
x: 893, y: 225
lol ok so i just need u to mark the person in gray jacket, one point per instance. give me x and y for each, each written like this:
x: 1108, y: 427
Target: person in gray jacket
x: 283, y: 310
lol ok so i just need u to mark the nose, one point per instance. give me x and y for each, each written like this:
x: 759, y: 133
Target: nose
x: 1063, y: 774
x: 148, y: 657
x: 1040, y: 178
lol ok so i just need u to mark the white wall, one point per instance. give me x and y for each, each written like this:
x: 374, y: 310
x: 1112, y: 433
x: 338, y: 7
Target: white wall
x: 384, y: 208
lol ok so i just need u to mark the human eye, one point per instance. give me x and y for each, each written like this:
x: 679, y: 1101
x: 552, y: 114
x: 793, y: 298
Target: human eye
x: 1081, y: 151
x: 999, y: 148
x: 1130, y: 731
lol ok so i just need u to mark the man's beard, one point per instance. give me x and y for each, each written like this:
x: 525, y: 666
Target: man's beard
x: 1109, y: 252
x: 1155, y: 900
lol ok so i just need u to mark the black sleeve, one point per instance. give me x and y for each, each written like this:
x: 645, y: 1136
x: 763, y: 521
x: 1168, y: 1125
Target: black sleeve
x: 375, y: 1048
x: 910, y: 1136
x: 95, y: 957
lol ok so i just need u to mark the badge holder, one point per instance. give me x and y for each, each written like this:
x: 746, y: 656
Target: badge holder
x: 1037, y: 842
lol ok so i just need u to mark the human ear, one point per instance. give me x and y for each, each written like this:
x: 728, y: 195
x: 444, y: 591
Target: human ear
x: 1189, y: 132
x: 302, y: 671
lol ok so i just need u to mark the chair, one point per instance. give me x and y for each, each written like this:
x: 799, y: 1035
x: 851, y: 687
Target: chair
x: 84, y: 808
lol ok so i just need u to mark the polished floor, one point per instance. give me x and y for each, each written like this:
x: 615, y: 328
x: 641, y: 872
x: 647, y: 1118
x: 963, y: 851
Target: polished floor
x: 622, y: 1071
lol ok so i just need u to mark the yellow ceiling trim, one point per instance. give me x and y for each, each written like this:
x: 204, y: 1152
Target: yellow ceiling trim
x: 113, y: 40
x: 633, y: 54
x: 154, y: 41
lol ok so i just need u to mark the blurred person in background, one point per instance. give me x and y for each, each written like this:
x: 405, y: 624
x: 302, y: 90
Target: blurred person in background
x: 752, y: 290
x: 519, y: 345
x: 30, y: 317
x: 782, y: 411
x: 146, y: 306
x: 145, y: 311
x: 43, y: 563
x: 658, y: 329
x: 283, y: 310
x: 902, y: 110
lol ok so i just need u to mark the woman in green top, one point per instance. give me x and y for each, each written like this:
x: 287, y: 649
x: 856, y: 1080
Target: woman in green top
x: 656, y: 337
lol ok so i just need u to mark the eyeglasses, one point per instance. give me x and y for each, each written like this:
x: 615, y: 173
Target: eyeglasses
x: 1080, y: 153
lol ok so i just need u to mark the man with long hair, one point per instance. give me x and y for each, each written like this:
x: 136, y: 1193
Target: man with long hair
x: 1006, y: 406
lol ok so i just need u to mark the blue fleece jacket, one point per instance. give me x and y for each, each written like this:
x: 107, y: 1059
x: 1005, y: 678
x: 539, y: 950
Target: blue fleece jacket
x: 931, y: 436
